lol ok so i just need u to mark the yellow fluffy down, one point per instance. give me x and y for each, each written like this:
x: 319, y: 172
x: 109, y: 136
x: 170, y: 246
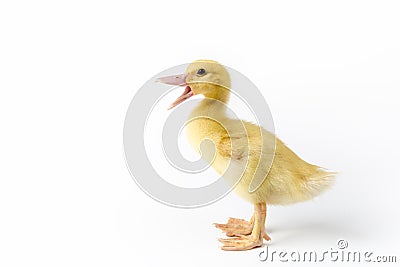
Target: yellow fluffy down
x: 290, y: 179
x: 248, y: 146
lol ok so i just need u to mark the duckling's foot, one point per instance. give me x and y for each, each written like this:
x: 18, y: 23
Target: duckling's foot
x: 236, y: 227
x: 247, y: 241
x: 243, y: 242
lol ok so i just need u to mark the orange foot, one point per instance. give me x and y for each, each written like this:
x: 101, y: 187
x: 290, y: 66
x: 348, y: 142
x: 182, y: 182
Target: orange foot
x: 244, y: 242
x: 236, y: 227
x: 245, y: 234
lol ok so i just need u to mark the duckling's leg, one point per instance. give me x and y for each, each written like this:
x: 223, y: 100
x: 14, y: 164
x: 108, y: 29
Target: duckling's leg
x: 245, y: 242
x: 236, y: 227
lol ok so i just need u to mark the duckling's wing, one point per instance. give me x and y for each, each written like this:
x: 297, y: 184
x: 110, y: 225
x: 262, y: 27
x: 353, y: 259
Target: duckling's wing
x: 243, y: 139
x: 251, y: 146
x: 233, y: 146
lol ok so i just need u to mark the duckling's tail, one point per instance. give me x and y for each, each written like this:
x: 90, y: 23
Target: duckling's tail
x: 302, y: 187
x: 320, y: 181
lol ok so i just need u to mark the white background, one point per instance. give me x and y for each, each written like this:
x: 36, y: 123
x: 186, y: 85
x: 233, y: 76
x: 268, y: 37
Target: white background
x: 68, y: 71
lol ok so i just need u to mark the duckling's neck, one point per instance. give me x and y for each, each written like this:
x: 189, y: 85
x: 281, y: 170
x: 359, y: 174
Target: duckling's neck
x: 210, y: 108
x: 206, y: 123
x: 214, y: 105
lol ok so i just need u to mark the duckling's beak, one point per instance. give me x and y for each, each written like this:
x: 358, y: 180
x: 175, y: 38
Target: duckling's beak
x: 179, y: 80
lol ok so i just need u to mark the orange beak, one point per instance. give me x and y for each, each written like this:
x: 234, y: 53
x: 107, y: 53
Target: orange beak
x: 179, y: 80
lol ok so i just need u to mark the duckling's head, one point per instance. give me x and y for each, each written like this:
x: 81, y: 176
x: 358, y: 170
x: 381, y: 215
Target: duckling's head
x: 205, y: 77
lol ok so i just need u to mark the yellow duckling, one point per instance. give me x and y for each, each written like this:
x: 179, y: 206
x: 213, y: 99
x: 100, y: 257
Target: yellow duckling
x: 287, y: 180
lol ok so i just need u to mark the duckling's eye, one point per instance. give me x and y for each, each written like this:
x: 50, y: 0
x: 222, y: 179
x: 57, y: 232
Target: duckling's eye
x: 201, y: 72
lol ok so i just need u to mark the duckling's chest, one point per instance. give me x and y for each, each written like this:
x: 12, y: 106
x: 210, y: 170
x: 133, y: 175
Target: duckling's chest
x: 203, y: 133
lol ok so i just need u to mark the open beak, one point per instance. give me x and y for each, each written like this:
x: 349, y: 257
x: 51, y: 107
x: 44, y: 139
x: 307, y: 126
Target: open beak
x: 179, y: 80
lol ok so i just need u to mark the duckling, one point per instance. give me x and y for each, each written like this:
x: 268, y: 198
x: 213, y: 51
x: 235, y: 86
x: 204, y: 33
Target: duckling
x: 288, y: 179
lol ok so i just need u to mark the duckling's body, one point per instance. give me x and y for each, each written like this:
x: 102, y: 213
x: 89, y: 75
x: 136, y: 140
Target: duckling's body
x: 289, y: 179
x: 244, y: 151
